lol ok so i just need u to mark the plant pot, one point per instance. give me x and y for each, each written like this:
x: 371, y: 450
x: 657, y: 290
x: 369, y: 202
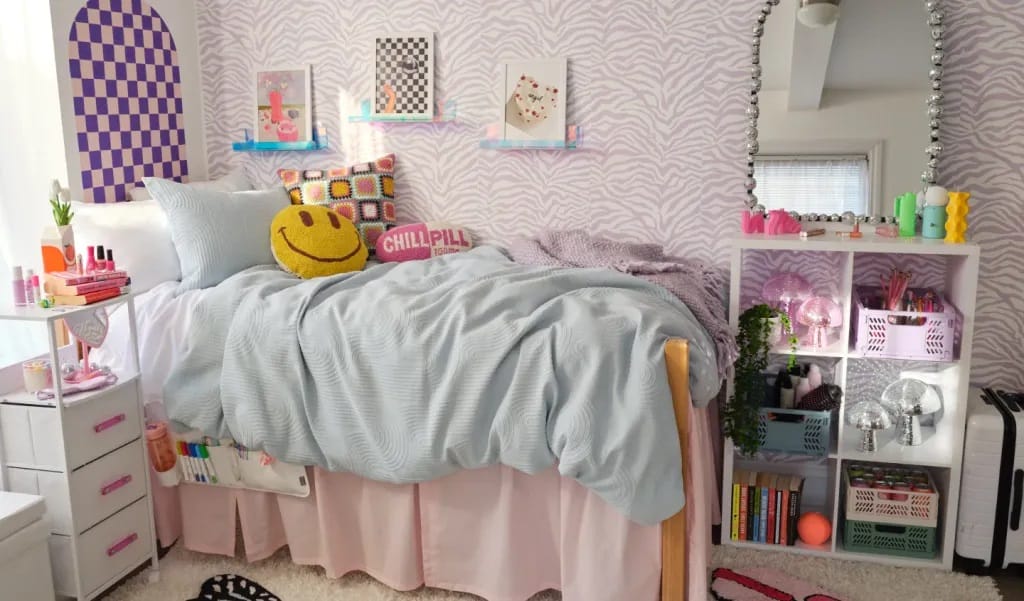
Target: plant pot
x: 58, y: 248
x: 774, y: 331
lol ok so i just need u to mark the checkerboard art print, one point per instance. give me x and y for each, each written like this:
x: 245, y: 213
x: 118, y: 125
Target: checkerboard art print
x: 126, y: 90
x: 404, y: 74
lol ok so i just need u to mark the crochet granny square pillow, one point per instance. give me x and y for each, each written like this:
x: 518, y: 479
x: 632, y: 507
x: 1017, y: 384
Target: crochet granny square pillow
x: 363, y: 193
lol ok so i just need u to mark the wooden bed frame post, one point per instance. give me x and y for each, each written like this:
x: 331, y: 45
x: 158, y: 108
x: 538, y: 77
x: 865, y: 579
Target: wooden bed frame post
x: 673, y: 530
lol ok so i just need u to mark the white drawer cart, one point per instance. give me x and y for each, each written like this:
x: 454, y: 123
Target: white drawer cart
x: 86, y: 455
x: 839, y: 266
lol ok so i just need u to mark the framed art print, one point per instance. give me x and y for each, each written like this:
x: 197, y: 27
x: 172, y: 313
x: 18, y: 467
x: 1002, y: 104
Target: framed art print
x: 533, y: 99
x: 284, y: 104
x: 403, y: 81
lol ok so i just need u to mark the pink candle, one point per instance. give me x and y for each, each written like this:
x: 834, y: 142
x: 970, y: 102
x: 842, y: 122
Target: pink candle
x: 276, y: 114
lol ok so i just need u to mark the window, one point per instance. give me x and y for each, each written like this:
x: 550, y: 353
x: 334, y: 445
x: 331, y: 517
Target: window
x: 814, y: 184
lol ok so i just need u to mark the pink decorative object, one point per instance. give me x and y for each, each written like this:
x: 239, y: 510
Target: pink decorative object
x: 888, y: 230
x: 781, y: 222
x: 422, y: 241
x: 785, y: 291
x: 819, y: 313
x: 287, y: 131
x: 752, y: 222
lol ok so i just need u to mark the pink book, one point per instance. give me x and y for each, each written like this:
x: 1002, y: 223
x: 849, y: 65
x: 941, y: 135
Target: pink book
x: 70, y: 278
x: 53, y: 287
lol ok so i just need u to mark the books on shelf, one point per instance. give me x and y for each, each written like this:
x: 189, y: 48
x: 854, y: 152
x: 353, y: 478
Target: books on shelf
x: 765, y: 507
x: 75, y: 289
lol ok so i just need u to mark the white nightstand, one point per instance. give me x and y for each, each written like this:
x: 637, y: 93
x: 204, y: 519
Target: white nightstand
x: 86, y: 454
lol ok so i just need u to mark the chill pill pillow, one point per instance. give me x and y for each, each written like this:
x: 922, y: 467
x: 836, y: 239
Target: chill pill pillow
x: 313, y: 241
x: 422, y: 241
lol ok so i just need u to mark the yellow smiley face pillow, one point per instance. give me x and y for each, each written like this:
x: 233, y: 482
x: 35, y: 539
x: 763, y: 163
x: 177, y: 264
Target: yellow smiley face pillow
x: 313, y: 241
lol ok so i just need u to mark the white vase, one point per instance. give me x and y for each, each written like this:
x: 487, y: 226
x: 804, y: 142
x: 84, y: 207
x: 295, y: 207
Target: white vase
x: 58, y: 248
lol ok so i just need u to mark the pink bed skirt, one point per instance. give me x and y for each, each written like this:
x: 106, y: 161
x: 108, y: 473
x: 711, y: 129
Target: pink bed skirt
x: 494, y: 532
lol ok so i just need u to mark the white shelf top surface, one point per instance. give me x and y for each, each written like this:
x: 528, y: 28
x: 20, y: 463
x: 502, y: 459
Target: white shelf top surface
x: 935, y: 451
x: 39, y: 314
x: 870, y: 243
x: 21, y: 397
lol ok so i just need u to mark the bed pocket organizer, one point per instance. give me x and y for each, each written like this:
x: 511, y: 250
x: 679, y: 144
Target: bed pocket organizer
x: 207, y: 462
x: 919, y: 335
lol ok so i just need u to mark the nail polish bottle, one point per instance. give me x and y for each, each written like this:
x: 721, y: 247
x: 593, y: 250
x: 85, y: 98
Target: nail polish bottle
x: 110, y: 260
x: 90, y: 266
x: 101, y: 259
x: 18, y: 282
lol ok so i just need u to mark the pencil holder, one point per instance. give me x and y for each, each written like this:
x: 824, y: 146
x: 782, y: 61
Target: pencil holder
x: 956, y: 220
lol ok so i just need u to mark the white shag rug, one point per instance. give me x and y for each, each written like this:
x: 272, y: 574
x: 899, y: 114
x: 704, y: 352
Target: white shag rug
x: 182, y: 572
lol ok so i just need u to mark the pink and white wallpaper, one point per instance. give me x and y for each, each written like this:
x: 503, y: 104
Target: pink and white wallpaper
x: 659, y: 87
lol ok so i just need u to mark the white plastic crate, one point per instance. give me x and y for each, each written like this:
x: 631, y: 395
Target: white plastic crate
x: 905, y: 334
x: 909, y: 508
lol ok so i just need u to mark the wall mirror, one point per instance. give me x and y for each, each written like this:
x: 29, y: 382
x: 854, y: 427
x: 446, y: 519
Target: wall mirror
x: 845, y: 106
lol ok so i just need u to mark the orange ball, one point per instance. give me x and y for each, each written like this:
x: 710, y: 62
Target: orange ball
x: 814, y: 528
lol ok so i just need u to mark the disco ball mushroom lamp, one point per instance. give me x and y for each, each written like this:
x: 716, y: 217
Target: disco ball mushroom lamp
x: 868, y: 417
x: 785, y: 291
x: 908, y: 399
x: 819, y: 314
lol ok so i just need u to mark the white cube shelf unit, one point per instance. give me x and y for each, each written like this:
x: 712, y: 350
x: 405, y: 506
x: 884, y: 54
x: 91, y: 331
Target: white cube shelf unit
x: 835, y: 267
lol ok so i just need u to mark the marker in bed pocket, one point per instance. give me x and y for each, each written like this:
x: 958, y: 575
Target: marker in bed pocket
x: 205, y: 453
x: 186, y: 471
x: 187, y: 458
x: 193, y: 452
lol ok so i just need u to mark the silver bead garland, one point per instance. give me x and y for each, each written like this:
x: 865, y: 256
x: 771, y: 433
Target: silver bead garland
x: 937, y: 26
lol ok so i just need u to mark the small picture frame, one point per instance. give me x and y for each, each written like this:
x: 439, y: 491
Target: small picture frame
x: 284, y: 104
x: 403, y: 80
x: 533, y: 99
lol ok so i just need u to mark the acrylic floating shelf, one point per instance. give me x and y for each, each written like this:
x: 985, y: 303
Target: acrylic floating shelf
x: 443, y: 113
x: 572, y: 141
x: 319, y: 142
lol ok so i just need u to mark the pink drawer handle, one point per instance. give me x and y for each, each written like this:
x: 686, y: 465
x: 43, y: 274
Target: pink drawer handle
x: 109, y: 423
x: 116, y: 484
x: 121, y: 544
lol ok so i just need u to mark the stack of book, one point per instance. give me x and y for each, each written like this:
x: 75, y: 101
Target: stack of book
x: 70, y: 288
x: 765, y: 507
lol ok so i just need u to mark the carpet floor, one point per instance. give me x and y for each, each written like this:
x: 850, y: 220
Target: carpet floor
x: 182, y: 572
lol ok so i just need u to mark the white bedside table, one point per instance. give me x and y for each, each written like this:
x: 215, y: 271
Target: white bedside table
x: 86, y: 455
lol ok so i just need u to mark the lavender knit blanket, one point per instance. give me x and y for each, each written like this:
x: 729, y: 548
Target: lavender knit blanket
x: 696, y: 285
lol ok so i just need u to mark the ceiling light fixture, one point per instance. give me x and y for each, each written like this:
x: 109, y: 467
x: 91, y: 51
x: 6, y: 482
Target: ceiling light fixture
x: 818, y: 13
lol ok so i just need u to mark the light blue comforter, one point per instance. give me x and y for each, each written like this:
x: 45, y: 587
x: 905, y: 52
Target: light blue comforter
x: 408, y: 372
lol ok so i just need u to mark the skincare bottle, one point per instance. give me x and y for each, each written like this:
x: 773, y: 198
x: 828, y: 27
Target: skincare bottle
x: 110, y: 260
x: 37, y: 294
x: 101, y: 259
x: 90, y: 266
x: 30, y: 298
x: 79, y: 265
x: 18, y: 282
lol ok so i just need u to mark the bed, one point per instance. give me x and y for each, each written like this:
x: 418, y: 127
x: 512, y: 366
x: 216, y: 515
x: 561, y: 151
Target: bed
x: 494, y: 531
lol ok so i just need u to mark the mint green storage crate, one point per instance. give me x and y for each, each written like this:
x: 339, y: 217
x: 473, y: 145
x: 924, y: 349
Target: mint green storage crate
x: 794, y: 431
x: 889, y: 539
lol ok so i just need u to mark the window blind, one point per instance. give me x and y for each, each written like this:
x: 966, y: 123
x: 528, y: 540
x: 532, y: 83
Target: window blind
x: 814, y: 184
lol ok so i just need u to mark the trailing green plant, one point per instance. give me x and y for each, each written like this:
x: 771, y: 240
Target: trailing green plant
x: 62, y: 214
x: 741, y: 414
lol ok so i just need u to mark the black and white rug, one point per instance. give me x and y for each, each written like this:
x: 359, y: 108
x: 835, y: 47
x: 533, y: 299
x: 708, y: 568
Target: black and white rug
x: 232, y: 587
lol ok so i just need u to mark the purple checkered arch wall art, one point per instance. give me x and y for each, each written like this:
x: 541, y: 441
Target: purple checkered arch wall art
x: 126, y: 90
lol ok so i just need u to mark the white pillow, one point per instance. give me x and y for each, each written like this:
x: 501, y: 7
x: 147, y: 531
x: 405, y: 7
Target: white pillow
x: 235, y: 181
x: 137, y: 232
x: 217, y: 234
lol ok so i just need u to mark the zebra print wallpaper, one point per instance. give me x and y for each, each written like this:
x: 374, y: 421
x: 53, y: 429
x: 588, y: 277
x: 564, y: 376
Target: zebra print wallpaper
x: 659, y: 87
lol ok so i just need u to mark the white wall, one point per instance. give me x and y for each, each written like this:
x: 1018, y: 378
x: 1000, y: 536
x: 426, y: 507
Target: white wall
x: 898, y: 119
x: 31, y: 153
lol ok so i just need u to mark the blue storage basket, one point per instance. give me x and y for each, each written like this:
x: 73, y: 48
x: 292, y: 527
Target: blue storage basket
x: 794, y: 431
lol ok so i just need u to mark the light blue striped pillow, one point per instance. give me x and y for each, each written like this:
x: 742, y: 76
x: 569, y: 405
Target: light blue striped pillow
x: 217, y: 234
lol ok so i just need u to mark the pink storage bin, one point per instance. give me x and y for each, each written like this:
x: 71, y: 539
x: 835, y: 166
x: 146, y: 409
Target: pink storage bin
x: 937, y: 338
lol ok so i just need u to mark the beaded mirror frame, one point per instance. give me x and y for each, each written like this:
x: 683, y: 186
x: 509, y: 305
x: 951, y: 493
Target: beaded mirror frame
x: 935, y: 17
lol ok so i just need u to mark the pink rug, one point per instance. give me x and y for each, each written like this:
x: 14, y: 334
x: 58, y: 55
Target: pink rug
x: 763, y: 584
